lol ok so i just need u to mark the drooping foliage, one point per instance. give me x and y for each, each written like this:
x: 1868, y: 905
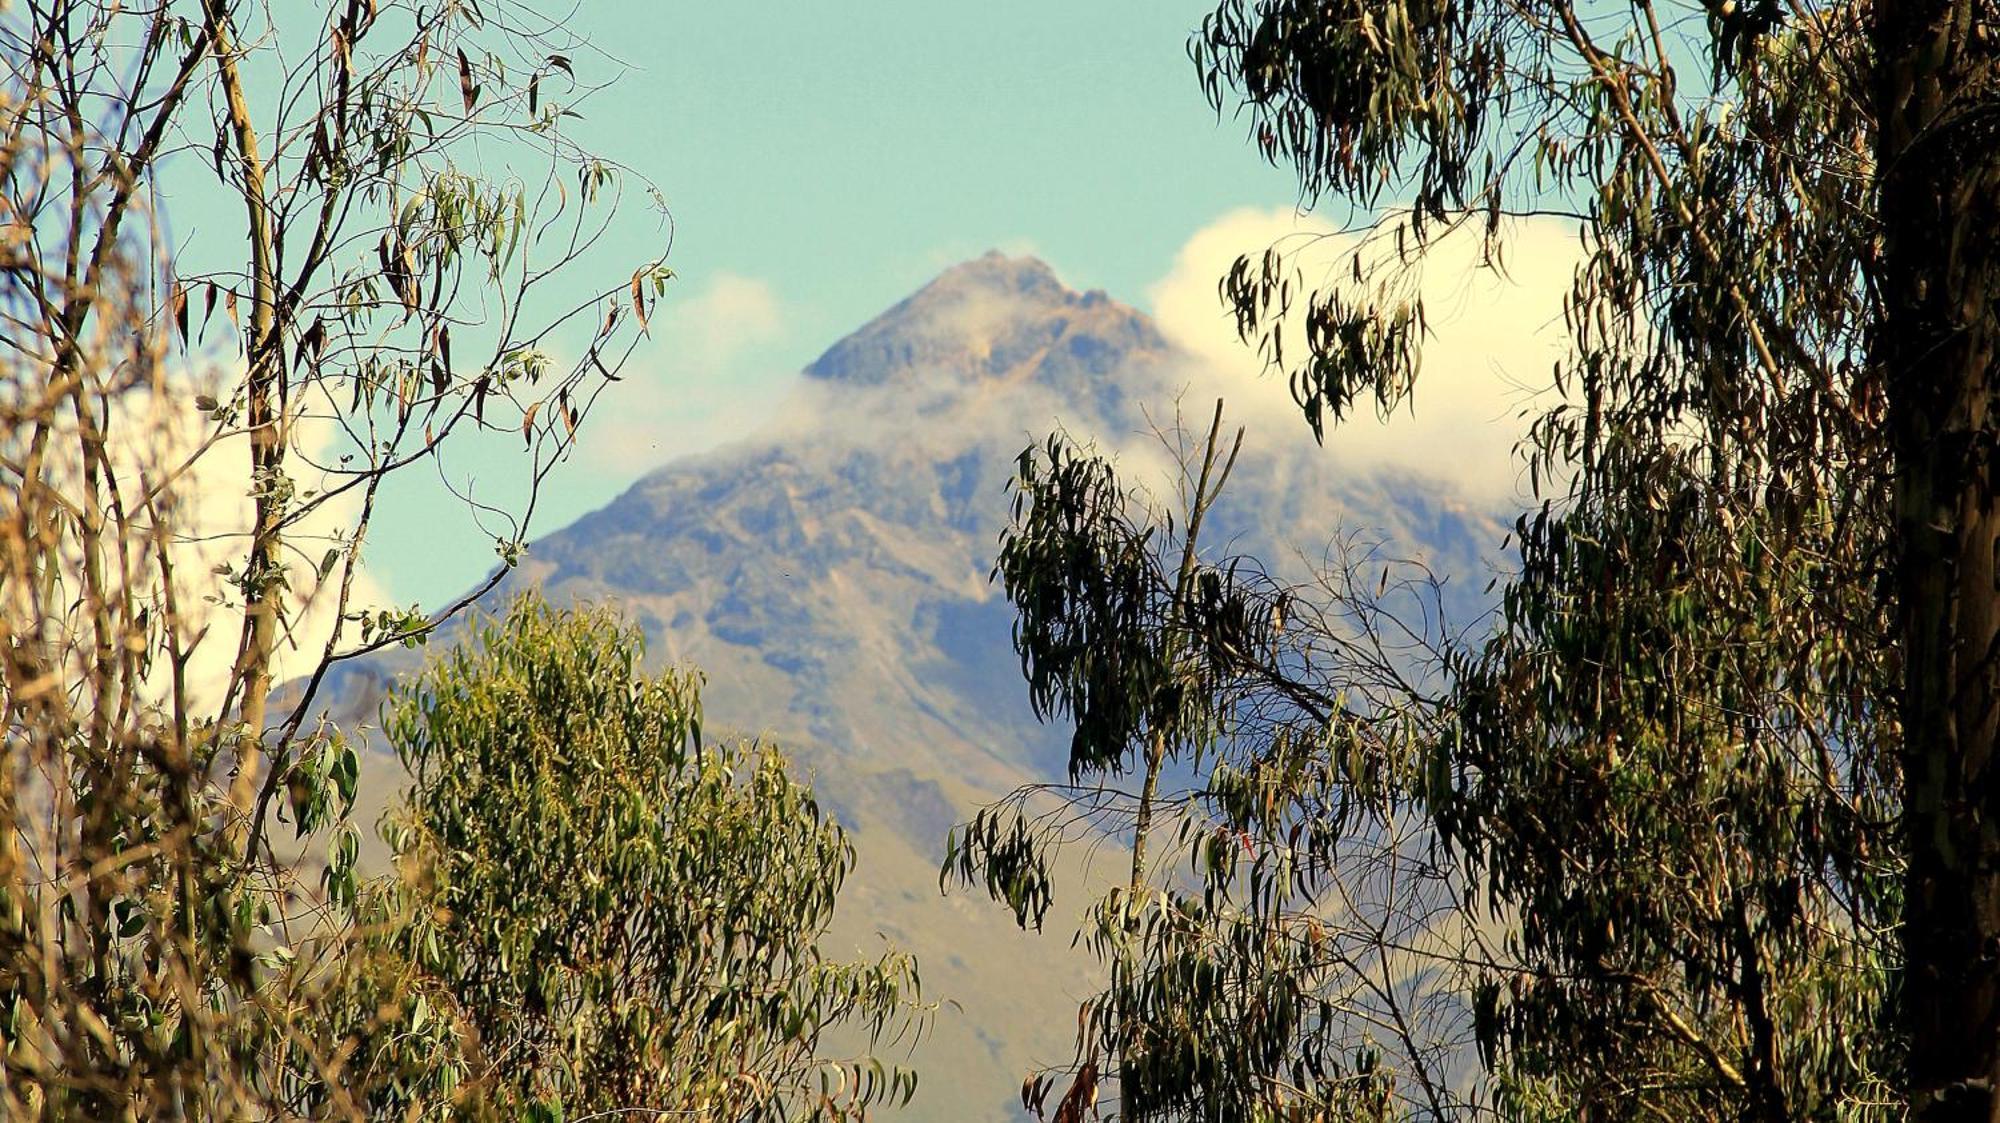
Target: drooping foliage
x: 1672, y: 777
x: 610, y: 914
x: 1273, y: 908
x: 1673, y: 770
x: 1656, y: 810
x: 1097, y: 602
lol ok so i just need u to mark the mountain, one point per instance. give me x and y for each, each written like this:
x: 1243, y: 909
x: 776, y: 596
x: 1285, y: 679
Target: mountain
x: 830, y: 575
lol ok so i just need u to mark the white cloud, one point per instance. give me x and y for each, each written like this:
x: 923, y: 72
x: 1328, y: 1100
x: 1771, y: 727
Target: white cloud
x: 213, y: 516
x: 733, y: 313
x: 709, y: 376
x: 183, y: 480
x: 1494, y: 339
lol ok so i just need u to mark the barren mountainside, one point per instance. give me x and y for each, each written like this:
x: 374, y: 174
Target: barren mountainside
x: 830, y: 576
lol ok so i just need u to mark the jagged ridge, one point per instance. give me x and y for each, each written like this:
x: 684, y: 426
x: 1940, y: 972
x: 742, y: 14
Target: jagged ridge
x: 993, y: 317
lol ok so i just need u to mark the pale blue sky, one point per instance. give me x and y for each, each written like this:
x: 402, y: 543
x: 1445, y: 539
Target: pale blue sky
x: 844, y: 151
x: 822, y: 160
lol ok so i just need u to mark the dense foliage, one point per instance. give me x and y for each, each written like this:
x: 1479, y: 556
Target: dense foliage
x: 1675, y: 767
x: 610, y: 914
x: 1704, y: 820
x: 193, y: 440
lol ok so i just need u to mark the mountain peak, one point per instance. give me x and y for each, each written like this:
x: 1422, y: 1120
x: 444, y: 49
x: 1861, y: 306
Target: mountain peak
x: 993, y: 317
x: 995, y: 271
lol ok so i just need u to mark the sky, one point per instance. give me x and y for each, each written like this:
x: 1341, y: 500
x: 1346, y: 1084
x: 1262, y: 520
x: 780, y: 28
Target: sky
x: 821, y: 161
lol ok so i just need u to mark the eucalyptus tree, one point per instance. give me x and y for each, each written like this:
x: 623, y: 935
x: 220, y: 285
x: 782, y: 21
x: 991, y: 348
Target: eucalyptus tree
x: 1728, y: 762
x: 394, y: 244
x: 1705, y: 818
x: 612, y: 915
x: 1279, y: 946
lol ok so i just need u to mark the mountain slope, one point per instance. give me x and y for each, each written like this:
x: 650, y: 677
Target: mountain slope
x: 830, y: 575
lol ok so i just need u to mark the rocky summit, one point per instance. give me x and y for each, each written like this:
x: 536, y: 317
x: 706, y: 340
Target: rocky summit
x: 831, y: 576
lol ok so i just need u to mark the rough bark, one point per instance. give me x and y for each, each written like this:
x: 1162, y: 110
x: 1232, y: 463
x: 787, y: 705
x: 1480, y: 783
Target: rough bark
x: 1938, y: 147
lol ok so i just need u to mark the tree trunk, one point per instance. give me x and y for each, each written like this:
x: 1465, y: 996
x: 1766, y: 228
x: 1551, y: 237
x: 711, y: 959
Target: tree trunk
x: 263, y: 592
x: 1938, y: 146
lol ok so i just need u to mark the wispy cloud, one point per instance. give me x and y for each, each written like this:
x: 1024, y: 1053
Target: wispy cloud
x: 713, y: 373
x: 206, y: 509
x: 1495, y: 337
x: 718, y: 370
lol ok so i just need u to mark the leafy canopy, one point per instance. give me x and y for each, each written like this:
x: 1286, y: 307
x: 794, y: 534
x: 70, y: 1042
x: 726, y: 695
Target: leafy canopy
x: 613, y: 914
x: 1634, y: 850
